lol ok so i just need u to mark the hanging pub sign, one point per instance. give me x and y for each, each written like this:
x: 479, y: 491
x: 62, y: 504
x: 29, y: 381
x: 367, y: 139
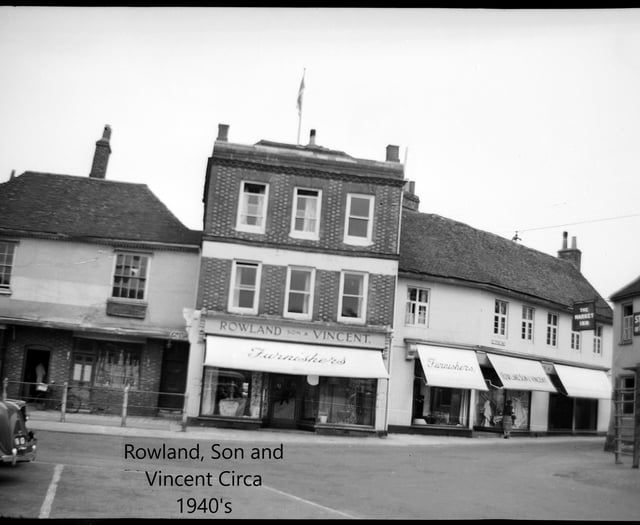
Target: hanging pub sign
x: 584, y: 316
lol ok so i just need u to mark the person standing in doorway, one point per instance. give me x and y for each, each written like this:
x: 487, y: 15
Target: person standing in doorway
x: 507, y: 419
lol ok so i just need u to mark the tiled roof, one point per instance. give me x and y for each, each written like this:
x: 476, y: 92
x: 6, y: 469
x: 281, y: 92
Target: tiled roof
x: 630, y: 290
x: 434, y: 246
x: 88, y: 208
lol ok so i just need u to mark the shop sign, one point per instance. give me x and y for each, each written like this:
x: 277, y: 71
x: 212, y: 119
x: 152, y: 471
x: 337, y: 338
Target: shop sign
x: 636, y: 324
x: 584, y: 316
x: 303, y: 333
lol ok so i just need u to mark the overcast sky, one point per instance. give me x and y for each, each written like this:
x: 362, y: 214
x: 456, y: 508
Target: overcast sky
x: 508, y: 121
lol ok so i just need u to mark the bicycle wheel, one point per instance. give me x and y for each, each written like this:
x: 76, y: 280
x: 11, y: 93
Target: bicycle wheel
x: 73, y: 404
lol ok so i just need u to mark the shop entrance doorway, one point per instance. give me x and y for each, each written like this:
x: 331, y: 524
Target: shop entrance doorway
x: 285, y: 394
x: 36, y: 370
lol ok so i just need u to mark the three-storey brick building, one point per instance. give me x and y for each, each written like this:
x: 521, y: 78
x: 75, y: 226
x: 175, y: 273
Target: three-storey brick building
x: 296, y: 290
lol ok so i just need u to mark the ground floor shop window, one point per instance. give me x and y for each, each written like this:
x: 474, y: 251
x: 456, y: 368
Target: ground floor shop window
x: 569, y: 413
x: 106, y: 363
x: 346, y: 400
x: 231, y: 393
x: 440, y: 405
x: 490, y: 406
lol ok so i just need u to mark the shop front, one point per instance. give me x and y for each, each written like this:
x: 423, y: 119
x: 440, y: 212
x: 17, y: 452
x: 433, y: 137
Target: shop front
x: 444, y: 381
x: 282, y: 383
x: 576, y: 405
x: 515, y: 379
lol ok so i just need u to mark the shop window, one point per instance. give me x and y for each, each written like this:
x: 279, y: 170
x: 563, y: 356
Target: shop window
x: 500, y: 318
x: 245, y: 277
x: 490, y: 406
x: 106, y: 364
x: 359, y: 219
x: 347, y: 401
x: 305, y: 222
x: 627, y: 323
x: 299, y: 292
x: 353, y: 297
x: 82, y: 369
x: 597, y: 340
x: 130, y: 276
x: 552, y: 329
x: 527, y: 323
x: 7, y: 250
x: 252, y: 207
x: 575, y: 341
x: 417, y: 309
x: 231, y: 393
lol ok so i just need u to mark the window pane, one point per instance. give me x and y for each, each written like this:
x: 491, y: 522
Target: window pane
x: 353, y: 284
x: 350, y: 307
x: 360, y: 207
x: 357, y: 227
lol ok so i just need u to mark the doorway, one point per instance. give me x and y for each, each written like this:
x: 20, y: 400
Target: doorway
x: 284, y: 400
x: 36, y: 370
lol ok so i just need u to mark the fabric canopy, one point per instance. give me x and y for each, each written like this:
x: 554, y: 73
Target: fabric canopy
x: 584, y: 382
x: 293, y: 358
x: 521, y: 374
x: 451, y: 367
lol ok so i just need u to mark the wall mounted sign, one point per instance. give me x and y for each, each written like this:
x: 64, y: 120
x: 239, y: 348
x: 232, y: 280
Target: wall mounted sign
x: 584, y: 316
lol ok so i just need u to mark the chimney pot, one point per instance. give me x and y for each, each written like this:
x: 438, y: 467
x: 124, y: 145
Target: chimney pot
x: 312, y: 137
x: 393, y: 153
x: 564, y: 240
x: 573, y: 254
x: 574, y: 243
x: 101, y: 155
x: 223, y: 132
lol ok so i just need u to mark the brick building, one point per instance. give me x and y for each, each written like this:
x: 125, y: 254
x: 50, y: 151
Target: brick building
x: 94, y: 276
x: 296, y: 290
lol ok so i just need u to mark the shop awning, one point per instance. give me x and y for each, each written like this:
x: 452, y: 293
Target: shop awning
x: 521, y: 374
x: 451, y: 367
x: 584, y: 382
x: 293, y: 358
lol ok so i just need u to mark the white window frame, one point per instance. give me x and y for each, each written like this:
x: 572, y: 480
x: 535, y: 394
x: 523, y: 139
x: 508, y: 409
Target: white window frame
x: 7, y: 268
x: 303, y: 234
x: 627, y: 323
x: 527, y: 326
x: 363, y: 298
x: 413, y: 307
x: 256, y: 287
x: 310, y: 297
x: 552, y: 329
x: 597, y: 340
x: 242, y: 211
x: 500, y: 318
x: 575, y: 341
x: 353, y: 239
x: 146, y: 256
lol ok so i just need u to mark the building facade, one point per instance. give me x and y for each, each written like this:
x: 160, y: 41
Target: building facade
x: 295, y: 298
x: 94, y: 277
x: 626, y: 351
x: 480, y: 320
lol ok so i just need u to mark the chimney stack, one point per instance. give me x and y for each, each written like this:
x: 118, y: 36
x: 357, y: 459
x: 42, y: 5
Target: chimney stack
x: 393, y: 153
x: 410, y: 201
x: 573, y: 255
x: 223, y: 132
x: 101, y: 155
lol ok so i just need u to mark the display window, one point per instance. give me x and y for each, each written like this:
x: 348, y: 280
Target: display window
x: 231, y: 393
x: 490, y: 407
x: 349, y: 401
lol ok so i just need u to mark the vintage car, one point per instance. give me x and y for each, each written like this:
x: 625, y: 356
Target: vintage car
x: 17, y: 443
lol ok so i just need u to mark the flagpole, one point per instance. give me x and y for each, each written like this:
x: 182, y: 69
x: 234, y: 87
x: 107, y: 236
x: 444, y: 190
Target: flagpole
x: 300, y: 94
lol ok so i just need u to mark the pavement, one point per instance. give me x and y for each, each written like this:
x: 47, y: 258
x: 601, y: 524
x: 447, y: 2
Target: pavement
x: 171, y: 428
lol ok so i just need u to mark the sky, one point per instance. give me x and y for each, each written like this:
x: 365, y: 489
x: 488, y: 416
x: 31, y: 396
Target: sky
x: 510, y: 121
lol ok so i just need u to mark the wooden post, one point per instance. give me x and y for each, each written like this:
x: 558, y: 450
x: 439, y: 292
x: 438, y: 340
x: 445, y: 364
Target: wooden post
x: 617, y: 438
x: 63, y: 405
x: 184, y: 412
x: 636, y: 431
x: 5, y: 384
x: 125, y: 401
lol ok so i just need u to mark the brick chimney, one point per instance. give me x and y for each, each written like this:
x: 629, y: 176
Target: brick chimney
x: 223, y: 132
x: 101, y: 155
x: 410, y: 201
x: 573, y: 255
x: 393, y: 153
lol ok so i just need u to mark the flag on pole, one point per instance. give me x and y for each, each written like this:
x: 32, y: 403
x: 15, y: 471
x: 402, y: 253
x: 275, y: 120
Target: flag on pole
x: 300, y: 94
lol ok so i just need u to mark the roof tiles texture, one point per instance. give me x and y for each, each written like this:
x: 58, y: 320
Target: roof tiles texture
x: 84, y: 207
x: 435, y: 246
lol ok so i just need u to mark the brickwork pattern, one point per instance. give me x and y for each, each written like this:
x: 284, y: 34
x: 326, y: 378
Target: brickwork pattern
x: 224, y: 193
